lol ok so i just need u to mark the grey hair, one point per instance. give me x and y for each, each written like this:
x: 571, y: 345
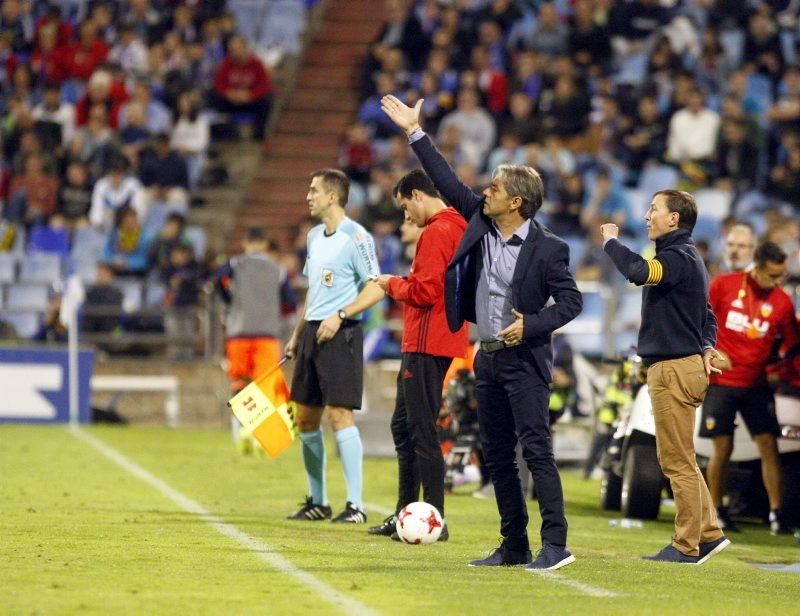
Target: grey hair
x: 523, y: 182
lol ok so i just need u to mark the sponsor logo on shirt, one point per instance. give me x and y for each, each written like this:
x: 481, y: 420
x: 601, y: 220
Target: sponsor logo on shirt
x: 740, y: 323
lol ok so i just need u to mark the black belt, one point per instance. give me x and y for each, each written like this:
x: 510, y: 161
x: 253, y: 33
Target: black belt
x: 496, y: 345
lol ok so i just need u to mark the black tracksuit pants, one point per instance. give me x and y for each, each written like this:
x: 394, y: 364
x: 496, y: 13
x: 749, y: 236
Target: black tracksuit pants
x: 419, y: 457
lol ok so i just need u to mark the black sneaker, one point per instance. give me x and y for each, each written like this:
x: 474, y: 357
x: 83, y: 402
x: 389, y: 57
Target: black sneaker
x: 350, y: 515
x: 712, y: 548
x: 311, y: 512
x: 776, y: 524
x: 725, y: 522
x: 503, y: 557
x: 443, y: 536
x: 385, y: 528
x: 551, y: 557
x: 671, y: 554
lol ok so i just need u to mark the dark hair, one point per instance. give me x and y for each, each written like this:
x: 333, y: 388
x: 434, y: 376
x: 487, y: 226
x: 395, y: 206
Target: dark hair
x: 176, y: 217
x: 523, y: 182
x: 255, y: 234
x: 769, y: 252
x: 415, y: 180
x: 684, y: 204
x: 335, y: 181
x: 121, y: 213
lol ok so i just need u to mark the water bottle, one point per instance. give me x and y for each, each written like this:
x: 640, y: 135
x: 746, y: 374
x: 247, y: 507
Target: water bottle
x: 626, y: 523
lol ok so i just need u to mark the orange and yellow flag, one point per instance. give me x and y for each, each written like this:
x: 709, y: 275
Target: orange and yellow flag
x: 265, y: 410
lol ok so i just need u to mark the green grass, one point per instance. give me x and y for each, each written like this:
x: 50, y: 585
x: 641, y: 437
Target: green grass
x: 78, y: 534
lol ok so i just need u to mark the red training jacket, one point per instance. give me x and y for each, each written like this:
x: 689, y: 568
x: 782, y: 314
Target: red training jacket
x: 758, y: 313
x: 425, y: 327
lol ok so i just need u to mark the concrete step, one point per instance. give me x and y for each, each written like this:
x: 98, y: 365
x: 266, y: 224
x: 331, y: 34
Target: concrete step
x: 348, y: 32
x: 336, y: 54
x: 353, y: 10
x: 322, y: 123
x: 327, y: 99
x: 327, y: 76
x: 293, y: 145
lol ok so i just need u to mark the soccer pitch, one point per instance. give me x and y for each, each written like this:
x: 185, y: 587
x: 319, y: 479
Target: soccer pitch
x: 157, y: 521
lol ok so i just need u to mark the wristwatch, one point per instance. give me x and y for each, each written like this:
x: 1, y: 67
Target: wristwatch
x: 342, y: 315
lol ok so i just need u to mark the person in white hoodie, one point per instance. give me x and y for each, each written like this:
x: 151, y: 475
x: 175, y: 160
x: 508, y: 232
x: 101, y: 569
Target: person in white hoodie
x: 190, y: 136
x: 113, y: 191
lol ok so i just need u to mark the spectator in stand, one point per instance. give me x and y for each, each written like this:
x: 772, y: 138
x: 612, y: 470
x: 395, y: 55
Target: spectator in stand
x: 145, y: 20
x: 164, y: 174
x: 183, y: 24
x: 370, y: 112
x: 606, y: 202
x: 357, y: 156
x: 520, y: 119
x: 736, y: 160
x: 112, y: 192
x: 762, y: 47
x: 490, y: 39
x: 492, y: 81
x: 23, y: 87
x: 784, y: 179
x: 589, y: 43
x: 103, y: 18
x: 16, y: 25
x: 101, y: 90
x: 102, y: 308
x: 637, y: 20
x: 566, y: 113
x: 740, y: 245
x: 692, y: 138
x: 159, y: 117
x: 55, y: 117
x: 130, y: 52
x: 785, y: 113
x: 86, y: 54
x: 49, y: 60
x: 753, y: 313
x: 509, y: 150
x: 242, y: 84
x: 564, y: 215
x: 127, y: 243
x: 550, y: 37
x: 134, y: 136
x: 476, y: 126
x: 33, y: 195
x: 182, y: 278
x: 191, y: 135
x: 75, y: 195
x: 96, y: 143
x: 172, y: 234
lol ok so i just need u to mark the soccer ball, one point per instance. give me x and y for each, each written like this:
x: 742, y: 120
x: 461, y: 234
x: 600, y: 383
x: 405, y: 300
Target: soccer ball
x: 419, y: 523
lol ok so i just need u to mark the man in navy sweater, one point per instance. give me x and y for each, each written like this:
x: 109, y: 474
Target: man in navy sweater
x: 501, y: 276
x: 676, y: 343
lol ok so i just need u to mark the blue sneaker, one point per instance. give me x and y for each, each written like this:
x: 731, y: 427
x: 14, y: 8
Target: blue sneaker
x: 671, y: 554
x: 712, y: 548
x: 503, y: 557
x: 551, y: 557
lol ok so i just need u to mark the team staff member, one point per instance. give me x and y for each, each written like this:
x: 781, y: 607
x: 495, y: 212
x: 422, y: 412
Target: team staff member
x: 258, y: 295
x: 752, y: 311
x: 428, y: 345
x: 328, y: 343
x: 504, y: 271
x: 740, y: 243
x: 676, y: 343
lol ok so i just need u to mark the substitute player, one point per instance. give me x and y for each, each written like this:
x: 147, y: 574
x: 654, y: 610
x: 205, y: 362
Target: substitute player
x: 752, y: 311
x: 328, y: 343
x: 259, y: 296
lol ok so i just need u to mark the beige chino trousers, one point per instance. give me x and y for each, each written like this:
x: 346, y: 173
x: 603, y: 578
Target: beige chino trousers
x: 677, y: 387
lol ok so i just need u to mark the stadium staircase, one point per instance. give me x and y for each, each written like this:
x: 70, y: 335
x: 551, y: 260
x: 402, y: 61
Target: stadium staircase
x: 309, y: 127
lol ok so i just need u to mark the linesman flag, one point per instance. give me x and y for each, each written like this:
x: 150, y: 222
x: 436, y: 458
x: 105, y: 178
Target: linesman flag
x: 265, y: 410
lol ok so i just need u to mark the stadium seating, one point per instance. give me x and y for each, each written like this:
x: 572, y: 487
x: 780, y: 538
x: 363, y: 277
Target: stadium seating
x: 8, y: 268
x: 43, y: 268
x: 25, y: 324
x: 21, y: 296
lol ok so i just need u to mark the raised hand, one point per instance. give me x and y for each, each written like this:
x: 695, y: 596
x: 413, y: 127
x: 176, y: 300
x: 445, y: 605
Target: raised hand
x: 401, y: 114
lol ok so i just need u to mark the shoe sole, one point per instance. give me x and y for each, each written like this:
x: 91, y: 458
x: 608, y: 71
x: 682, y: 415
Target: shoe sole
x: 562, y: 563
x: 715, y: 551
x: 514, y: 565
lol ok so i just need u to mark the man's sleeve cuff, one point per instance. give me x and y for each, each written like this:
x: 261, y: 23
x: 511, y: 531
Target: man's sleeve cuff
x: 416, y: 135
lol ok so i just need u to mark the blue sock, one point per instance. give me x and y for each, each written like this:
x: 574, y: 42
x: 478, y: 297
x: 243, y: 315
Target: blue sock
x: 352, y: 454
x: 314, y: 460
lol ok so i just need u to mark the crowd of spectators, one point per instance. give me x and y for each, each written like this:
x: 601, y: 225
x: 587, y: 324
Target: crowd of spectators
x: 106, y: 114
x: 606, y: 98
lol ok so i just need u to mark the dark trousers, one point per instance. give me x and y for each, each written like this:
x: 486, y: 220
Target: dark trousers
x: 513, y: 402
x: 260, y: 109
x: 419, y: 457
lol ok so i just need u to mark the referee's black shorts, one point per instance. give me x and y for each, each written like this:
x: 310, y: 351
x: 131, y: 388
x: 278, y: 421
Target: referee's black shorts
x: 331, y: 373
x: 756, y: 405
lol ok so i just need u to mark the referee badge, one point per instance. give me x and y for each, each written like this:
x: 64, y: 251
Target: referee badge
x: 710, y: 423
x: 327, y: 277
x: 766, y: 310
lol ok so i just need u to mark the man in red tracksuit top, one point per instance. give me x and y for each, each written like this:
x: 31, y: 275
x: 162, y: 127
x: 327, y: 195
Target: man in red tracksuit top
x: 428, y: 346
x: 752, y: 311
x: 241, y: 83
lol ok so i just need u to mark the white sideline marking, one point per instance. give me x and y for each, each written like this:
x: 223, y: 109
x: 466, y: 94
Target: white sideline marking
x: 258, y: 547
x: 587, y: 589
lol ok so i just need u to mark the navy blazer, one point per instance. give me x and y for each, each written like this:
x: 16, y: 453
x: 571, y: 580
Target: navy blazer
x: 541, y: 272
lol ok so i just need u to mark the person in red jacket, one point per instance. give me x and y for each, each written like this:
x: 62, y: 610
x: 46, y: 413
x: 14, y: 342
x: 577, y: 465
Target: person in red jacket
x: 242, y: 84
x: 752, y: 312
x: 428, y: 345
x: 86, y: 54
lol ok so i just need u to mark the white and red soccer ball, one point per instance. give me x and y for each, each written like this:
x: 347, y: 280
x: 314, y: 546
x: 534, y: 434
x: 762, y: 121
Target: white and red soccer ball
x: 419, y: 523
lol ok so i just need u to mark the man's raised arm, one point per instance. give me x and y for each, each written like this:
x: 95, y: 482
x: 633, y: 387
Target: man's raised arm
x: 454, y: 191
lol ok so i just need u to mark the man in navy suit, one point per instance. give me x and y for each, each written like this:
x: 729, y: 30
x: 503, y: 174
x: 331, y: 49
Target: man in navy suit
x: 504, y: 271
